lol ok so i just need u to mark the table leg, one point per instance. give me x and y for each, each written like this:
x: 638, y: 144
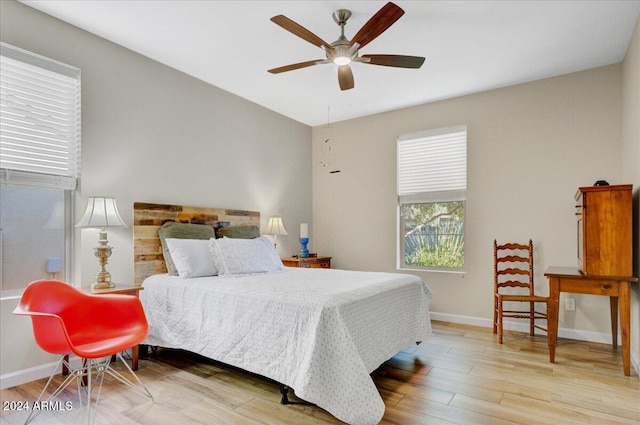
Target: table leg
x: 552, y: 316
x: 625, y: 326
x: 86, y: 364
x: 134, y: 357
x: 613, y: 301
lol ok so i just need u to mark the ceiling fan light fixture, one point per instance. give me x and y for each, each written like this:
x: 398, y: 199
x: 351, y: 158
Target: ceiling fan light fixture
x: 344, y: 51
x: 342, y: 60
x: 341, y: 53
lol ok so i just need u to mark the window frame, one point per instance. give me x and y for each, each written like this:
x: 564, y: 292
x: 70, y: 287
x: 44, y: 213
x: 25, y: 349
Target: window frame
x: 69, y: 244
x: 40, y: 119
x: 445, y: 194
x: 65, y: 178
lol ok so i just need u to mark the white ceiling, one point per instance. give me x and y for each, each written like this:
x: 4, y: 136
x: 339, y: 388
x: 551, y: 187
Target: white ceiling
x: 470, y: 46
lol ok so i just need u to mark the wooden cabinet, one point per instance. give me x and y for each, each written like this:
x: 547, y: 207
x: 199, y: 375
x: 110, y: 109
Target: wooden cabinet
x: 308, y: 263
x: 604, y: 227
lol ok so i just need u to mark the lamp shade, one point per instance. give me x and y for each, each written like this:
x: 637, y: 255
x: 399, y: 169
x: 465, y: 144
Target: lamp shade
x: 101, y: 212
x: 275, y: 226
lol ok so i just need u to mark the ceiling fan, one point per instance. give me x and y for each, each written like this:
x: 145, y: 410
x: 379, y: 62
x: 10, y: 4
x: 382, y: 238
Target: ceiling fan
x: 343, y: 51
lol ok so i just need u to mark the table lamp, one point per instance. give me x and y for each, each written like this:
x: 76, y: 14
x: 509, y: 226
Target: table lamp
x: 304, y: 240
x: 101, y: 213
x: 275, y: 228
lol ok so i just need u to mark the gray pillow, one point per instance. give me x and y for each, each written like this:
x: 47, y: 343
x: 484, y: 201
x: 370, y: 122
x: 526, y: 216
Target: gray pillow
x: 181, y: 231
x: 239, y: 232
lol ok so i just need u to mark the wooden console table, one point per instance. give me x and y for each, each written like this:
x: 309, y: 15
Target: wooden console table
x: 617, y: 288
x: 308, y: 263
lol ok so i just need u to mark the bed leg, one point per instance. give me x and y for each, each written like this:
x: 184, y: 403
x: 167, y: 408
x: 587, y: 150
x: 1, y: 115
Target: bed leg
x: 284, y: 390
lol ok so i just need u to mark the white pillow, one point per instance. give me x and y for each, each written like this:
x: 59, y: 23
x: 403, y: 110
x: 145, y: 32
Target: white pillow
x: 244, y: 256
x: 191, y: 257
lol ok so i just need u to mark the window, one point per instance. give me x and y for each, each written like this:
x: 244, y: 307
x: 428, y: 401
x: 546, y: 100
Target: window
x: 39, y: 166
x: 432, y: 186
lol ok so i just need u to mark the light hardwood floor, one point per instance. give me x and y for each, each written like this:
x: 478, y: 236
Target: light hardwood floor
x: 460, y: 376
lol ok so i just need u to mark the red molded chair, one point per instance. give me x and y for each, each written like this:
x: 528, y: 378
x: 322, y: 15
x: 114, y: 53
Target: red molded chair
x: 93, y: 327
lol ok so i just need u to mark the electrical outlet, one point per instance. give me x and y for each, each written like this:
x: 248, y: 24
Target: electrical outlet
x: 570, y: 304
x: 54, y: 265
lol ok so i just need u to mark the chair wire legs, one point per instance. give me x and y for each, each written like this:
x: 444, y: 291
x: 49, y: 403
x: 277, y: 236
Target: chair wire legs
x: 57, y: 391
x: 139, y: 388
x: 90, y: 371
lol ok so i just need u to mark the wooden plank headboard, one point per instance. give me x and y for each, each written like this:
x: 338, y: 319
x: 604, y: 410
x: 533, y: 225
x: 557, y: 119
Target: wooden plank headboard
x: 148, y: 218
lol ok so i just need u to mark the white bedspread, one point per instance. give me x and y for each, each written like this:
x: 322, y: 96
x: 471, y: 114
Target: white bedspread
x: 318, y: 331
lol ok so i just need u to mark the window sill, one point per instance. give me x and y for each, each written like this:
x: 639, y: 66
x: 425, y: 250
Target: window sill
x: 11, y: 294
x: 462, y: 273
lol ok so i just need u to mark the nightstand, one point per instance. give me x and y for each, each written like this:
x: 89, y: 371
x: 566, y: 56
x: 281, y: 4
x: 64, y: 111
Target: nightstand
x: 121, y: 289
x: 308, y: 263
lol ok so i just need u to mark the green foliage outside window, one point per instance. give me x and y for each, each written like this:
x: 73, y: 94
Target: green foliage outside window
x: 434, y: 234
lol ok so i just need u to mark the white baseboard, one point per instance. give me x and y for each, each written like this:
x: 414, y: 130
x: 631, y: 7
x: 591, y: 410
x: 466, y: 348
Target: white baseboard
x: 463, y: 320
x: 522, y: 326
x: 23, y: 376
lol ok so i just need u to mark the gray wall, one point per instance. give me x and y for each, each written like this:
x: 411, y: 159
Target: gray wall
x: 153, y: 134
x: 530, y: 146
x: 631, y: 168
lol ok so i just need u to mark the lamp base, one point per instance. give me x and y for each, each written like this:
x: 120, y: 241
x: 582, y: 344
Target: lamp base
x: 304, y: 251
x: 103, y: 285
x: 103, y: 252
x: 103, y: 281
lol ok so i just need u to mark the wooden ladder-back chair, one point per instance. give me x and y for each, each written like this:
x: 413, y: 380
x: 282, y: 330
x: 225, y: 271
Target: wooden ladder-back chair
x: 513, y: 268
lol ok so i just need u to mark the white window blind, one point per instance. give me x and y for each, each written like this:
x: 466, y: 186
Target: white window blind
x: 39, y: 120
x: 432, y: 165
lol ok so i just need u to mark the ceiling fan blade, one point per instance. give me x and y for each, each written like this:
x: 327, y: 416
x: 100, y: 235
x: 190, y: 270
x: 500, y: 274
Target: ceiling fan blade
x: 378, y: 24
x: 294, y: 66
x: 398, y: 61
x: 345, y: 77
x: 299, y: 30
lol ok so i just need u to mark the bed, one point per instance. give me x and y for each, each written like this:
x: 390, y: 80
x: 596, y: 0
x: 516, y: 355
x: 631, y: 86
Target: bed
x: 320, y: 332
